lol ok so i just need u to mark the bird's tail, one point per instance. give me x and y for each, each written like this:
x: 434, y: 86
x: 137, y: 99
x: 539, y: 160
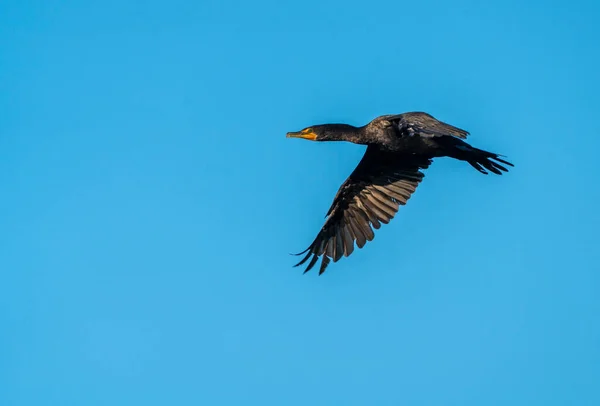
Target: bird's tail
x: 479, y: 159
x: 482, y: 160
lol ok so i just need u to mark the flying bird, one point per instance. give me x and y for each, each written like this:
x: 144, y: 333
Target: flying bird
x: 399, y: 148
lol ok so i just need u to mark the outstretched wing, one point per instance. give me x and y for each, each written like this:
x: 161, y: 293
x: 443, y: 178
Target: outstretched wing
x: 424, y: 125
x: 371, y: 195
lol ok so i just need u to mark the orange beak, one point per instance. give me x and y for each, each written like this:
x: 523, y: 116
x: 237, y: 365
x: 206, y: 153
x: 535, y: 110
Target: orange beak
x: 306, y: 134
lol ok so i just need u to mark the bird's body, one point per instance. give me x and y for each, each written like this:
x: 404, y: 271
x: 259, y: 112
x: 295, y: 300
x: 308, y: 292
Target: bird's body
x: 399, y: 148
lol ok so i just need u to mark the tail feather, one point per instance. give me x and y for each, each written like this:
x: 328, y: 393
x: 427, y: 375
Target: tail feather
x: 480, y: 159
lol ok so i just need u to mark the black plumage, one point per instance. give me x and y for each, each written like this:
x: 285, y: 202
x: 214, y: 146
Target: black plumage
x: 399, y: 148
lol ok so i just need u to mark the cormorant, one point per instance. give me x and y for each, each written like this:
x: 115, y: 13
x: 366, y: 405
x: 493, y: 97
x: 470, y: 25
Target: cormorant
x: 399, y: 148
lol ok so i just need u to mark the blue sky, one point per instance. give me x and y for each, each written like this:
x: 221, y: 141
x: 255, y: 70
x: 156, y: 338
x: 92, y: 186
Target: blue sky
x: 150, y: 200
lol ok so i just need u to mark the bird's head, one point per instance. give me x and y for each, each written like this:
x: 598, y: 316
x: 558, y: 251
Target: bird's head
x: 324, y: 132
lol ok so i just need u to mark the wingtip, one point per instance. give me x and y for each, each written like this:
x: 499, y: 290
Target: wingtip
x: 324, y: 262
x: 300, y: 253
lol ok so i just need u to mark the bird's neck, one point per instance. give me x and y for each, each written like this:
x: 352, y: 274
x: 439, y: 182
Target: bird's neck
x: 362, y: 135
x: 344, y: 132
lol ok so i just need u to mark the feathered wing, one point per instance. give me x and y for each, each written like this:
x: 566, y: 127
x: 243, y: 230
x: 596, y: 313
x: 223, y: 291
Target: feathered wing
x: 424, y: 125
x: 370, y: 196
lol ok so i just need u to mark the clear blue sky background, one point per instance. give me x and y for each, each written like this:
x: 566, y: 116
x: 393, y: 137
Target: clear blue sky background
x: 149, y: 200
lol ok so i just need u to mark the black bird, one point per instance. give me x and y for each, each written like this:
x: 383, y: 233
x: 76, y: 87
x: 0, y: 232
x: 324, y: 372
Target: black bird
x: 399, y: 148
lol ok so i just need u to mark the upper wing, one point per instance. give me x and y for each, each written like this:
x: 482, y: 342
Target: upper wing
x: 424, y: 125
x: 371, y: 195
